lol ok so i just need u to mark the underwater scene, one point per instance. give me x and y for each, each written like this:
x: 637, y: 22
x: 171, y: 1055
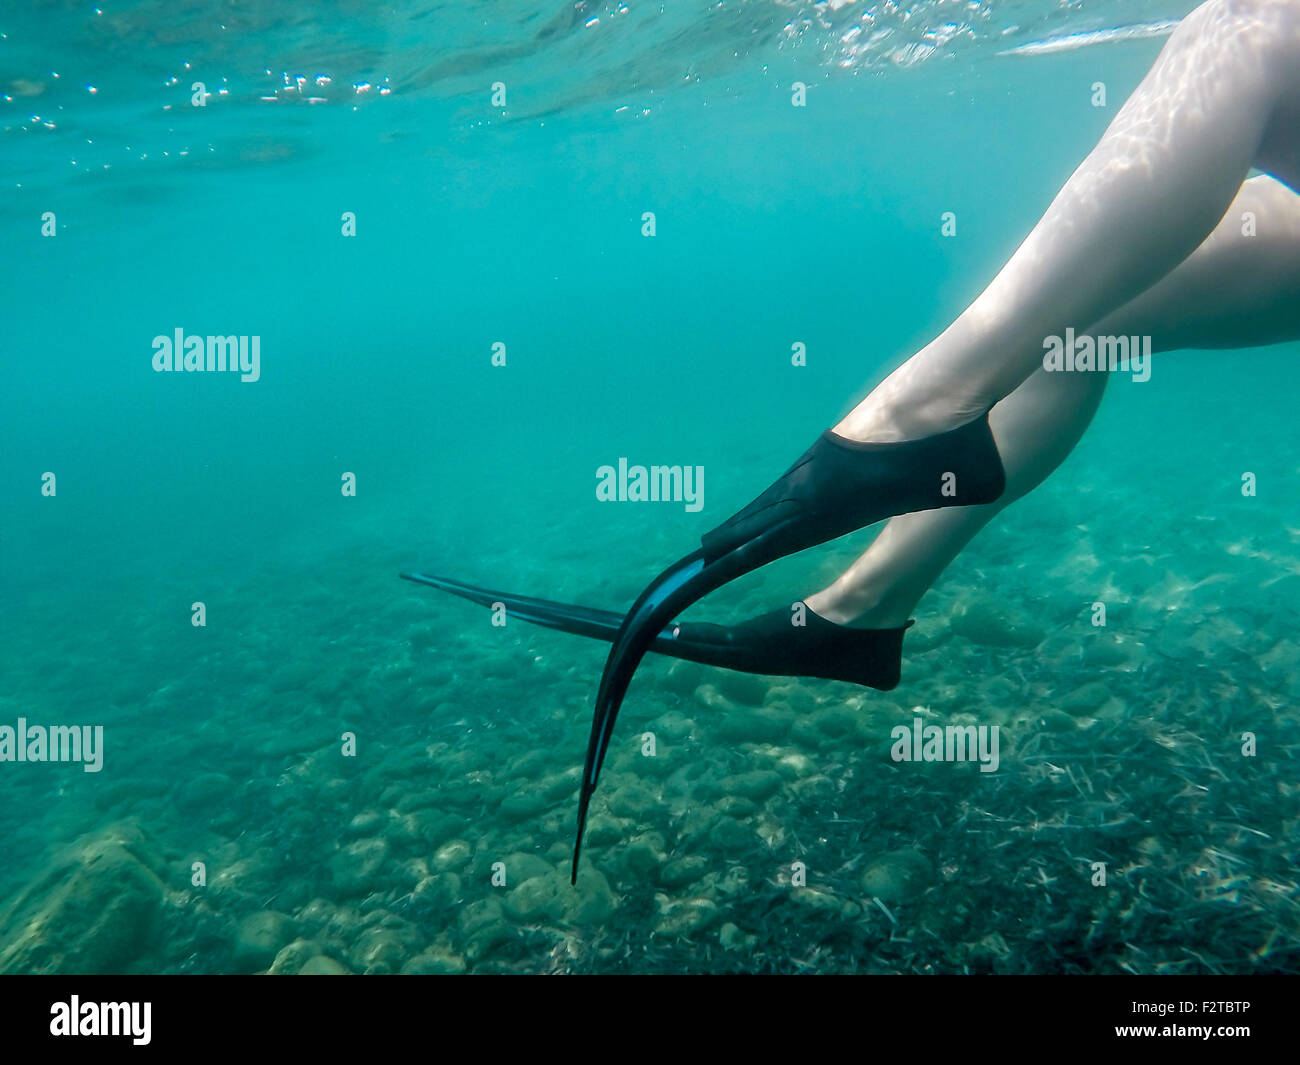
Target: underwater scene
x: 533, y: 296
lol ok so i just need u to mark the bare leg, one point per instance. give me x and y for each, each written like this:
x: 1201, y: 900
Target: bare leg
x: 1233, y: 291
x: 1154, y: 187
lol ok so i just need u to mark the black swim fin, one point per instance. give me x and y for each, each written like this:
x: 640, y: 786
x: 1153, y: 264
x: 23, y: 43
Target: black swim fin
x: 770, y: 644
x: 835, y: 487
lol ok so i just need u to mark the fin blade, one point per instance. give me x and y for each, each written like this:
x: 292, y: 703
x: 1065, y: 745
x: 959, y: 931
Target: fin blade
x: 565, y: 617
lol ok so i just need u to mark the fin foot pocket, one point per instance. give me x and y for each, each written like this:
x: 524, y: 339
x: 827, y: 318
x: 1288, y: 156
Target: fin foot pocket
x: 840, y: 485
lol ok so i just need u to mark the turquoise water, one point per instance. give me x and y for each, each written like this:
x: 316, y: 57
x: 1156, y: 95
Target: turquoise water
x: 223, y: 744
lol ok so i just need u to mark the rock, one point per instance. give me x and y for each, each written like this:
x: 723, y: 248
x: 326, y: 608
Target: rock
x: 292, y: 958
x: 318, y: 914
x: 321, y: 965
x: 480, y: 914
x: 1056, y: 721
x: 410, y: 872
x: 95, y: 908
x: 593, y: 903
x: 830, y: 726
x: 735, y: 881
x: 793, y: 763
x: 680, y: 872
x: 897, y: 875
x: 533, y: 764
x: 438, y: 892
x: 824, y: 905
x: 522, y: 805
x: 436, y: 827
x: 633, y: 801
x: 999, y: 691
x: 380, y: 950
x: 736, y: 806
x: 258, y: 939
x: 1101, y: 649
x: 453, y: 855
x: 435, y: 965
x: 805, y: 734
x: 643, y: 855
x: 660, y: 765
x: 231, y: 883
x: 757, y: 786
x: 378, y: 917
x: 743, y: 688
x: 817, y: 789
x: 744, y: 725
x: 673, y: 726
x: 836, y: 722
x: 712, y: 700
x: 1060, y: 651
x: 326, y: 922
x: 560, y: 786
x: 993, y: 624
x: 366, y: 823
x: 729, y: 835
x: 927, y: 634
x: 404, y: 833
x: 484, y: 927
x: 537, y: 901
x: 683, y: 677
x: 602, y: 830
x: 356, y: 866
x: 521, y: 866
x: 684, y: 917
x: 732, y: 938
x: 988, y: 952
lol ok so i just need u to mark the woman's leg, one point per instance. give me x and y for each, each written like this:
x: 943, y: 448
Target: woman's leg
x: 1236, y: 290
x: 1156, y: 184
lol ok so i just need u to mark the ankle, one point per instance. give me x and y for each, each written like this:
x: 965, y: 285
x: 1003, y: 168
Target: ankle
x: 859, y: 609
x: 893, y: 415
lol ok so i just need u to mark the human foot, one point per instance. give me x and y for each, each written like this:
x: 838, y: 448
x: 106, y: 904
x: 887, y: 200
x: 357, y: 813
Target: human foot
x: 857, y: 609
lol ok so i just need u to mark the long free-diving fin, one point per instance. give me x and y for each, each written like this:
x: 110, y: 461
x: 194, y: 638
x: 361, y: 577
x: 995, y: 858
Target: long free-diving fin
x: 835, y: 487
x: 782, y: 643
